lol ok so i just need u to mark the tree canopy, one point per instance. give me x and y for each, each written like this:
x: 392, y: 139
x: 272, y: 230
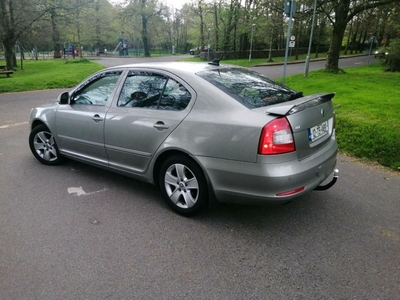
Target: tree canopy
x: 149, y: 26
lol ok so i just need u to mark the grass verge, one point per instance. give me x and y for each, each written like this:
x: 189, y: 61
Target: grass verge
x: 47, y: 74
x: 367, y: 101
x: 367, y: 105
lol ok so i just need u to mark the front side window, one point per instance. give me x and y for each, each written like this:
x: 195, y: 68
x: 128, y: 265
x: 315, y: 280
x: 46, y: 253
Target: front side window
x: 155, y: 91
x: 97, y: 90
x: 248, y: 87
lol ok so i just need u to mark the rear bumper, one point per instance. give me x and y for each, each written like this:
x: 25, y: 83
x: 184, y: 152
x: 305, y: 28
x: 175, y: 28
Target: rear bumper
x: 247, y: 183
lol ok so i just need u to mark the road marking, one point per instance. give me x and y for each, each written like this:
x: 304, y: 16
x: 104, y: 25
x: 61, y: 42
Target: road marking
x: 13, y: 125
x: 80, y: 192
x: 390, y: 234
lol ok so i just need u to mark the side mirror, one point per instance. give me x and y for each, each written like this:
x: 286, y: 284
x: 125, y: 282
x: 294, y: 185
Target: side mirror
x: 63, y: 98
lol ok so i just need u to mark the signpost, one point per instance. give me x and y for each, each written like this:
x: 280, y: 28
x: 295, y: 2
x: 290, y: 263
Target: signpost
x: 292, y: 42
x: 289, y: 8
x: 372, y: 40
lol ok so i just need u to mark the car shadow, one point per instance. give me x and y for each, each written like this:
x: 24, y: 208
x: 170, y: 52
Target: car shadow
x: 293, y: 212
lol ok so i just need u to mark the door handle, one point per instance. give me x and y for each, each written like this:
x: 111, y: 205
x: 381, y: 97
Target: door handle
x: 160, y: 125
x: 97, y: 118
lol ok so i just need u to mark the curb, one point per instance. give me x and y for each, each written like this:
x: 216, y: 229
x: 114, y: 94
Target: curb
x: 303, y: 61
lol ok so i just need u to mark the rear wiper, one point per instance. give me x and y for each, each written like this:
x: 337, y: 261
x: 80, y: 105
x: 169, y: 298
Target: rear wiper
x: 295, y: 95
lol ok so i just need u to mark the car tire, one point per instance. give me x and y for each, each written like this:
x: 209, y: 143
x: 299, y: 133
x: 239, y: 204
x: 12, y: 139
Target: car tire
x: 183, y: 185
x: 191, y: 52
x: 44, y: 146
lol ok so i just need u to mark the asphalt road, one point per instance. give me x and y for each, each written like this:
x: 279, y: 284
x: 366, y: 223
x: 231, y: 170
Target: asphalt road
x: 77, y: 232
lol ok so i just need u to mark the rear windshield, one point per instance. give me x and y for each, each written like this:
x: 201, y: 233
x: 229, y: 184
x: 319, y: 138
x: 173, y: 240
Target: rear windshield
x: 249, y: 87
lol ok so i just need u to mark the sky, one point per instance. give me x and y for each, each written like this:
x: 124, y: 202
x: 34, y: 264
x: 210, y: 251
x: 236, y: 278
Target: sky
x: 175, y: 3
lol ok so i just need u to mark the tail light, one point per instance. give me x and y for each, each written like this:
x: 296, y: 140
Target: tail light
x: 276, y: 138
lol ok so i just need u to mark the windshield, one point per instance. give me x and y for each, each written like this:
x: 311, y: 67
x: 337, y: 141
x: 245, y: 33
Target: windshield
x: 249, y: 87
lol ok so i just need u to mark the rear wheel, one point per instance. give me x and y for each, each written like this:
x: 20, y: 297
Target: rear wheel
x: 44, y: 147
x: 183, y: 185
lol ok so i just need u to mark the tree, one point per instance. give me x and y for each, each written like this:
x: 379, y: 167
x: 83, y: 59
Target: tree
x: 139, y: 14
x: 340, y: 13
x: 17, y: 17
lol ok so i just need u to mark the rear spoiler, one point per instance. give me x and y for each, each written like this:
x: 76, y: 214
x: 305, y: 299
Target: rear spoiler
x: 289, y: 108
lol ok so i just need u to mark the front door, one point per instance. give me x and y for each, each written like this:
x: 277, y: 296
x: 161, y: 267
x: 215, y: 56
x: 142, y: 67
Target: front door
x: 80, y: 125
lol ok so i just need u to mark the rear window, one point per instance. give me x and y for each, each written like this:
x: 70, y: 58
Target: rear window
x: 249, y: 87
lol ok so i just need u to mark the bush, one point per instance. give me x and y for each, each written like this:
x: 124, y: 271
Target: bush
x: 392, y: 60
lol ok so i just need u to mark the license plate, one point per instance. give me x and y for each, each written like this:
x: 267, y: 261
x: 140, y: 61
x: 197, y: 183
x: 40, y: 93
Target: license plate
x: 317, y: 132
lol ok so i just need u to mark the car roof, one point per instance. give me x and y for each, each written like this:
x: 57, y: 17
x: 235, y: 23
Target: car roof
x: 182, y: 67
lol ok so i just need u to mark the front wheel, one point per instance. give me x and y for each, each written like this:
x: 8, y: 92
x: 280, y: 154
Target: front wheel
x: 183, y: 185
x: 44, y: 147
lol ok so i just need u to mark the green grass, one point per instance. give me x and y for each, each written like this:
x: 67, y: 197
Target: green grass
x: 367, y: 101
x: 47, y: 74
x: 367, y: 105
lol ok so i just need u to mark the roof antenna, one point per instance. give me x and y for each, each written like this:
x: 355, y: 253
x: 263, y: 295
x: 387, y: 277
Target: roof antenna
x: 215, y: 61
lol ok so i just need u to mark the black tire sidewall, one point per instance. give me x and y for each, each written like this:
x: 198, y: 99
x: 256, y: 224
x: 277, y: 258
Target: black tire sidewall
x: 34, y: 132
x: 198, y: 173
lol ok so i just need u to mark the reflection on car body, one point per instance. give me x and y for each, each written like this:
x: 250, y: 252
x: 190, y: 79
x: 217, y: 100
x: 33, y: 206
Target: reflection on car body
x: 197, y: 131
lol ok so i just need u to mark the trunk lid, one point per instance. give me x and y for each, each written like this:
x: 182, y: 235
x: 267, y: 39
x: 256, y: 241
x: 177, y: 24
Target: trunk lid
x: 311, y: 119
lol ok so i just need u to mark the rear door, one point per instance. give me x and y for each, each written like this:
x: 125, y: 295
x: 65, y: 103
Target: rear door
x: 150, y: 106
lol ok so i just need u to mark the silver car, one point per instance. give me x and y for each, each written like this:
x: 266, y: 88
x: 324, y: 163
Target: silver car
x: 198, y: 131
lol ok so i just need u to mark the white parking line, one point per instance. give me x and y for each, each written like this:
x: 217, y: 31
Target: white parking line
x: 80, y: 192
x: 13, y: 125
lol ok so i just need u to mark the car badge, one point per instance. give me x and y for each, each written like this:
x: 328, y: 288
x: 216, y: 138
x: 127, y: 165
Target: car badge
x: 322, y: 112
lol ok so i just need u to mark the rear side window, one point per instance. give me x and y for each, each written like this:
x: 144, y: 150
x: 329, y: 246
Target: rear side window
x: 248, y: 87
x: 154, y: 91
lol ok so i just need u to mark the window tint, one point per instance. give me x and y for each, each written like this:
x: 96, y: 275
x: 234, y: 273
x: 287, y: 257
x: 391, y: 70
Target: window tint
x: 150, y: 90
x: 97, y: 90
x: 249, y: 87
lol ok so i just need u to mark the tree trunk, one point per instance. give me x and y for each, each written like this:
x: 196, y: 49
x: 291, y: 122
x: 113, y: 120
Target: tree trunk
x: 55, y: 34
x: 339, y: 27
x: 298, y: 34
x: 349, y: 38
x: 9, y: 35
x: 332, y: 59
x: 229, y: 25
x: 216, y: 28
x: 145, y: 37
x: 200, y: 6
x: 78, y: 27
x: 9, y: 54
x: 354, y: 38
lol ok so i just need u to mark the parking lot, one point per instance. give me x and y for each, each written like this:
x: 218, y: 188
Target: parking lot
x: 78, y: 232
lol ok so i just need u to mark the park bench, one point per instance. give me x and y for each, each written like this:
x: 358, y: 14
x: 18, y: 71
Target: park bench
x: 3, y: 70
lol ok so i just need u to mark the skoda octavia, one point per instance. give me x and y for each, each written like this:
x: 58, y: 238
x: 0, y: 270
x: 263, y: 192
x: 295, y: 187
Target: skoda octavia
x: 198, y: 131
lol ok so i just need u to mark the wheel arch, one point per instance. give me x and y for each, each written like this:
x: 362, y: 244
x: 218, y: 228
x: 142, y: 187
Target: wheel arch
x: 37, y: 123
x: 163, y: 156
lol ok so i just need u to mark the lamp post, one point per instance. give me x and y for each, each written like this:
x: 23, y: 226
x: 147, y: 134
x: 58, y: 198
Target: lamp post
x: 208, y: 46
x: 306, y: 67
x: 251, y: 40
